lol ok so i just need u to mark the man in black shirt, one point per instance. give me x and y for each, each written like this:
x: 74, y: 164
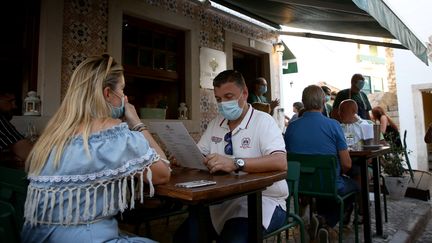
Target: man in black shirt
x: 354, y: 93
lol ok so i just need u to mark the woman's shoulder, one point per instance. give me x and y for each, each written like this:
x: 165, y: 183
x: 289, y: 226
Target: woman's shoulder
x: 104, y: 124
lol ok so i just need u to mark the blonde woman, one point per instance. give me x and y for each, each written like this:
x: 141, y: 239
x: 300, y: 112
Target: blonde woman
x: 80, y: 167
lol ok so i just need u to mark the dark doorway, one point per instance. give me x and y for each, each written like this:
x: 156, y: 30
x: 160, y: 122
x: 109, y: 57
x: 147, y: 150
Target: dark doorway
x: 249, y: 64
x: 19, y: 49
x: 427, y: 112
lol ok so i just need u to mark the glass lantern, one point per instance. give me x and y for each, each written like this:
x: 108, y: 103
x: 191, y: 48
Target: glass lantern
x: 32, y: 104
x: 183, y: 111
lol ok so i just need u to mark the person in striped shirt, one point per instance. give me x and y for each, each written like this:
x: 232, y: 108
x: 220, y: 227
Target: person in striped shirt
x: 10, y: 139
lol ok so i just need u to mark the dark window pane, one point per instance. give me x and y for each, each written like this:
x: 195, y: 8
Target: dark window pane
x: 159, y: 61
x: 145, y: 58
x: 130, y: 55
x: 171, y: 44
x: 145, y: 38
x: 171, y: 63
x: 158, y: 41
x: 131, y: 34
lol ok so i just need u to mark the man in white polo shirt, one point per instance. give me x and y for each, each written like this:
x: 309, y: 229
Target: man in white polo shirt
x: 243, y: 139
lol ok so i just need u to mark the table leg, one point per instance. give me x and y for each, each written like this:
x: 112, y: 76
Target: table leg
x: 377, y: 196
x: 365, y: 201
x: 255, y: 217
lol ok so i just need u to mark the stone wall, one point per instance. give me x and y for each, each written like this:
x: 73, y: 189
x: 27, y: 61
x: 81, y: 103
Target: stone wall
x: 391, y: 73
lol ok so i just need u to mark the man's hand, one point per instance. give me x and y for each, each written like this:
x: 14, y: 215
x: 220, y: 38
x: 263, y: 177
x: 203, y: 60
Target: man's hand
x: 217, y: 162
x: 274, y: 103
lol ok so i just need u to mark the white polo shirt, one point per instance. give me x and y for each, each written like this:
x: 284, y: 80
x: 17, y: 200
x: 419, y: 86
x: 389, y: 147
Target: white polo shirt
x: 256, y: 136
x: 359, y: 130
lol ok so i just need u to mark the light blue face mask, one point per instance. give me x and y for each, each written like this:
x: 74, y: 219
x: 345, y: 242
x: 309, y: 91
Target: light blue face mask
x: 327, y: 98
x: 360, y: 84
x: 263, y: 89
x: 117, y: 112
x: 230, y: 109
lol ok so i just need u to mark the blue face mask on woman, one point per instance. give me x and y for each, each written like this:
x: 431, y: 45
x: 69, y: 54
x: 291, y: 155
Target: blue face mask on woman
x: 117, y: 112
x: 230, y: 109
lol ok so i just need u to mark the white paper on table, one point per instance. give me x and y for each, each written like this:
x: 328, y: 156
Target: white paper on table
x: 179, y: 143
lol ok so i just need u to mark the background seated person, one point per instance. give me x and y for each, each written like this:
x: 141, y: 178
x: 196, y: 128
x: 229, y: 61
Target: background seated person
x: 258, y: 89
x: 327, y: 109
x: 356, y: 130
x: 13, y: 145
x: 314, y: 133
x: 85, y: 158
x: 297, y: 107
x: 241, y: 138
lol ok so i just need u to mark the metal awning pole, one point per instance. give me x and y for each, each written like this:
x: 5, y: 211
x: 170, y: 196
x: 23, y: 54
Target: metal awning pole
x: 343, y: 39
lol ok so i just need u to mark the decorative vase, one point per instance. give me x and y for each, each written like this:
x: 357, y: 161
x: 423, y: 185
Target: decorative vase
x: 396, y: 186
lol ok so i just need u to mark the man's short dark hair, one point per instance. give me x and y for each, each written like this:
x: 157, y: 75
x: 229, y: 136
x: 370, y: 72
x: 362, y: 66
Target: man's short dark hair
x: 326, y: 90
x: 356, y: 77
x: 258, y: 80
x: 232, y: 76
x: 298, y: 105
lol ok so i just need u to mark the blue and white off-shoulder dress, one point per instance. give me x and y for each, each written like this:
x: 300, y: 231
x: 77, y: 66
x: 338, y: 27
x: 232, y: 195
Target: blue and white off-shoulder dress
x: 77, y: 201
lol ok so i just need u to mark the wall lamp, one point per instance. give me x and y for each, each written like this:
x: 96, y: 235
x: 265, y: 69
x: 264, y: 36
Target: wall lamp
x: 279, y: 47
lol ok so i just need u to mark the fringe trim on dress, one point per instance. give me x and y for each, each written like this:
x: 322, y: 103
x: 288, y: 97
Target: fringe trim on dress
x: 68, y: 207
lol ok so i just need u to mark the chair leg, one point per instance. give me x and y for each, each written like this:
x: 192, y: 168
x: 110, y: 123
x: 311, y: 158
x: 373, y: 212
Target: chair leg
x: 341, y: 217
x: 356, y: 221
x: 302, y: 232
x: 384, y: 201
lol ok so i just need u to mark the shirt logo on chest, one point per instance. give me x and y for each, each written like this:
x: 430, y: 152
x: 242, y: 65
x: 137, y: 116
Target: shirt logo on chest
x: 245, y: 143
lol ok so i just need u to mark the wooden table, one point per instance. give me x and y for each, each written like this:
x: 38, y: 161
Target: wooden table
x: 364, y: 154
x: 227, y: 186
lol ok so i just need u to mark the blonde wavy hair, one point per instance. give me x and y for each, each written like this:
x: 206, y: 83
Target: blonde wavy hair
x: 83, y: 103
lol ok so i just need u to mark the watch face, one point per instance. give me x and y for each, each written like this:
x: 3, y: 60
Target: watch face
x: 240, y: 162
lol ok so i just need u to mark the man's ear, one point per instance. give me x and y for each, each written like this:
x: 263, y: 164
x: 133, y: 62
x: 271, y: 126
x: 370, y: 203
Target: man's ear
x: 245, y: 92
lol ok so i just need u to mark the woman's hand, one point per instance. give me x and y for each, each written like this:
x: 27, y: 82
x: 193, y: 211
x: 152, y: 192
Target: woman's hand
x: 131, y: 116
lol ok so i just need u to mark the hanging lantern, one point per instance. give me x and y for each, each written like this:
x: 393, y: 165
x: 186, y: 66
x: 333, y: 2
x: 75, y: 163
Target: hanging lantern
x: 32, y: 104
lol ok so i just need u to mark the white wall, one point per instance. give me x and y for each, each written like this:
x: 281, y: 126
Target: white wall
x: 412, y: 76
x: 318, y: 60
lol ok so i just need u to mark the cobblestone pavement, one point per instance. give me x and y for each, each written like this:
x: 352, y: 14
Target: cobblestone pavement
x: 406, y: 218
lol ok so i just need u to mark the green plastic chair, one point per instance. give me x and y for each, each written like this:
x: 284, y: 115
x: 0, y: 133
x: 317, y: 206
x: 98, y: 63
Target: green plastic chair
x: 318, y: 179
x: 13, y: 189
x: 292, y: 219
x: 9, y: 229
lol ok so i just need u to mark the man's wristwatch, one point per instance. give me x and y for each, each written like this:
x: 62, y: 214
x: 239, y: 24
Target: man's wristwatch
x: 239, y: 163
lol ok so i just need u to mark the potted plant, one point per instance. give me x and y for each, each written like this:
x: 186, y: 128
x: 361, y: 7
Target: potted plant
x: 396, y: 177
